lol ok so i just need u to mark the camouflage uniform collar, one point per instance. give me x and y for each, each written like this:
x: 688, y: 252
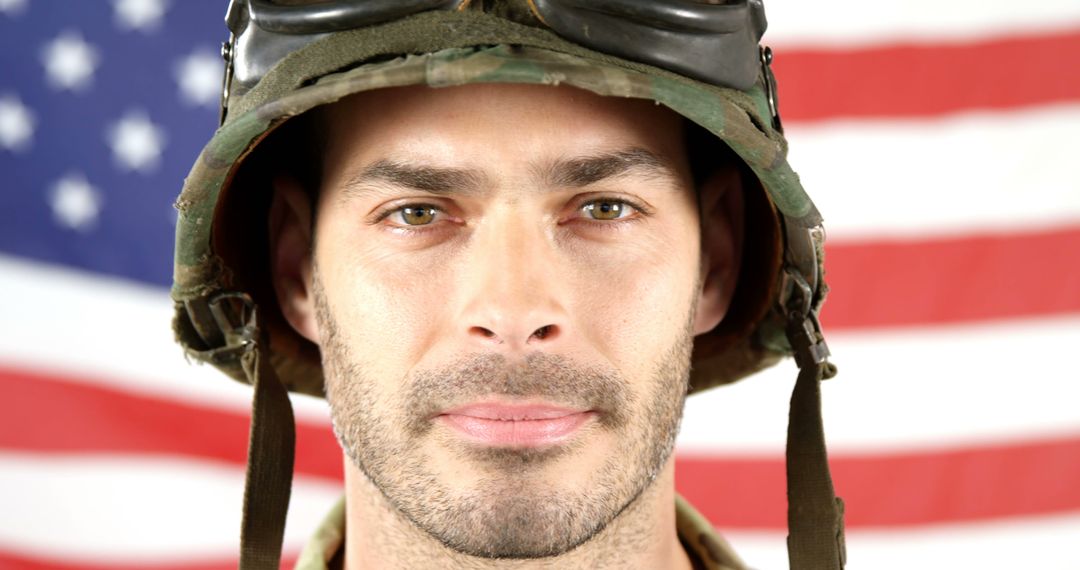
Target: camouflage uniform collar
x: 327, y: 540
x: 707, y: 549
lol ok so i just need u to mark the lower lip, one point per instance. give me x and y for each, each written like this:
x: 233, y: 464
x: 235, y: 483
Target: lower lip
x: 517, y: 433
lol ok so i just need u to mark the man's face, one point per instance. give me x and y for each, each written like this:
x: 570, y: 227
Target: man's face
x: 505, y: 290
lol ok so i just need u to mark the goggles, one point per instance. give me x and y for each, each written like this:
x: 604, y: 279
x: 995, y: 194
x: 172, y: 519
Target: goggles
x: 715, y: 41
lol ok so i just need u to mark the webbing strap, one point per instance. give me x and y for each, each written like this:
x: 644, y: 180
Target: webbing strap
x: 271, y: 447
x: 815, y: 515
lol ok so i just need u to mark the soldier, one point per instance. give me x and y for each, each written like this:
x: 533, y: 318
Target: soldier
x: 505, y: 240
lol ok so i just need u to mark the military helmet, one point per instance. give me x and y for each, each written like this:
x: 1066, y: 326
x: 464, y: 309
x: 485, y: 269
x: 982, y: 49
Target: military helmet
x: 702, y: 59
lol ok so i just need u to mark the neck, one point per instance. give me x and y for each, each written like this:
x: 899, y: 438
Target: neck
x: 643, y: 535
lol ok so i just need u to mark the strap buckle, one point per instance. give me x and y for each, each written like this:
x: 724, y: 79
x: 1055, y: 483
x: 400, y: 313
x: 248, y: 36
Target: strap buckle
x: 234, y: 313
x: 801, y: 288
x: 803, y: 327
x: 770, y: 87
x: 228, y: 50
x: 226, y: 323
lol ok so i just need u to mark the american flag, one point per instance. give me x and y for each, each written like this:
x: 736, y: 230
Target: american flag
x: 939, y: 139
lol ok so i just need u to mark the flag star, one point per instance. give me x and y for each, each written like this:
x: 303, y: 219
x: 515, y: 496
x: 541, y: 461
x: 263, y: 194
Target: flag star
x: 16, y: 124
x: 136, y: 142
x: 70, y: 61
x: 199, y: 77
x: 75, y: 203
x: 12, y: 7
x: 142, y: 15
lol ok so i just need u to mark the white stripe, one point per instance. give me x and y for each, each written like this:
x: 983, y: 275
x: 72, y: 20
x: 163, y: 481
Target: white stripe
x: 847, y: 22
x: 121, y: 510
x: 109, y: 332
x: 910, y: 390
x: 1046, y: 543
x: 940, y: 385
x: 126, y: 509
x: 947, y: 176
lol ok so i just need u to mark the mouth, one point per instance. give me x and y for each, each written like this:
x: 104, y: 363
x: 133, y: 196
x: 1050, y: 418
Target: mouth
x: 514, y: 424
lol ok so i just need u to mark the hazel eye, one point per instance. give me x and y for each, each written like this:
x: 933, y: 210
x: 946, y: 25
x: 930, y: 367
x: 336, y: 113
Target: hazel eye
x: 417, y: 215
x: 607, y: 209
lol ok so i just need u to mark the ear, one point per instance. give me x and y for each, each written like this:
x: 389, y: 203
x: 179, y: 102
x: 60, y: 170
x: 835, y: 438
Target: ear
x: 721, y: 201
x: 290, y: 230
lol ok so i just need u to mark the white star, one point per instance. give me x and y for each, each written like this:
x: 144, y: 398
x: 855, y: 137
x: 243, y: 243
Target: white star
x: 199, y: 77
x: 70, y: 61
x: 136, y: 142
x: 12, y: 7
x: 142, y: 15
x: 75, y: 203
x: 16, y: 124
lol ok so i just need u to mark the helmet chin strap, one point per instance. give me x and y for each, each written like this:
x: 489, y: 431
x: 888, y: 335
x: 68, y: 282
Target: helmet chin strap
x: 815, y: 514
x: 272, y: 434
x: 271, y: 449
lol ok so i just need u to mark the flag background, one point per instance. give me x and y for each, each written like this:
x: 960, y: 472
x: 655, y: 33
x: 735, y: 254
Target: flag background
x: 938, y: 139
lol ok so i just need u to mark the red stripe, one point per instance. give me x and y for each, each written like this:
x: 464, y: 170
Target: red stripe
x: 13, y: 561
x: 884, y: 490
x: 928, y: 79
x: 891, y: 490
x: 889, y: 283
x: 41, y: 412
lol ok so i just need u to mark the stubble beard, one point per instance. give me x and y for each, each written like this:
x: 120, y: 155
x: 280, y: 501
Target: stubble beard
x: 511, y: 512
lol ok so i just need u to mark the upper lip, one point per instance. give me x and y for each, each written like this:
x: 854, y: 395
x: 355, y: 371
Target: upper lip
x: 513, y: 411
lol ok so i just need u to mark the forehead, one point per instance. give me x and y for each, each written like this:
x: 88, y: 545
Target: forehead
x: 501, y: 120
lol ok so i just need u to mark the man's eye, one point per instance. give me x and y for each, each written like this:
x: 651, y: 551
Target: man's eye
x: 607, y: 209
x: 418, y: 215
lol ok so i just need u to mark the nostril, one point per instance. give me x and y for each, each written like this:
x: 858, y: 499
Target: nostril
x: 546, y: 332
x: 486, y: 333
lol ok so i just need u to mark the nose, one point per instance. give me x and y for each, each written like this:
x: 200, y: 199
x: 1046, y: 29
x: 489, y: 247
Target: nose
x: 512, y: 294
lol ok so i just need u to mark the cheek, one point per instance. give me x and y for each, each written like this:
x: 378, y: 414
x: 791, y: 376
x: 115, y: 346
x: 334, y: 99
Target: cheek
x: 634, y: 298
x: 386, y: 304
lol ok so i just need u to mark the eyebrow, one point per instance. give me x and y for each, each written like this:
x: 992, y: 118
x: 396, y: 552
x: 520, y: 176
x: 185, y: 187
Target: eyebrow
x: 426, y: 178
x: 583, y: 171
x: 576, y: 172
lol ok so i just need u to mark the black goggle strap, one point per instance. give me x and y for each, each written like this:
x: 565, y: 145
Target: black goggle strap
x: 271, y: 437
x: 313, y: 18
x: 815, y: 514
x: 714, y: 42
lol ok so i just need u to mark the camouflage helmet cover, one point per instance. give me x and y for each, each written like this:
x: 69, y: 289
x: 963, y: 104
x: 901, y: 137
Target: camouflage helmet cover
x: 221, y: 259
